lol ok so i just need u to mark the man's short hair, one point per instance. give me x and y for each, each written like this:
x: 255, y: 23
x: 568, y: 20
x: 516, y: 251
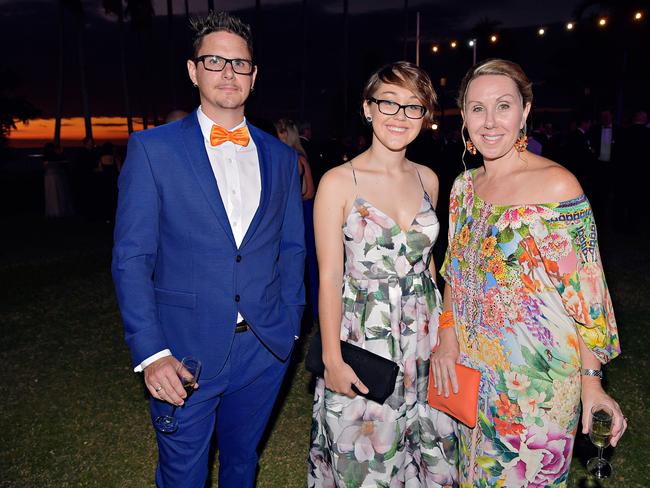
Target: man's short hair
x: 219, y: 22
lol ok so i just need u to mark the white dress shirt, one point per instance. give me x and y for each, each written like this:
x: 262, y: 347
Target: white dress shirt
x: 237, y: 173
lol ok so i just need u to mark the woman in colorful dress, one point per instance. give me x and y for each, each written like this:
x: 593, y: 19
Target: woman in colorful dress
x: 527, y: 293
x: 375, y: 228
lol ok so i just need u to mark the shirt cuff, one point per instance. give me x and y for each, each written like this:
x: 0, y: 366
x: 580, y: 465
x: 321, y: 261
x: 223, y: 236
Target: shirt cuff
x: 140, y: 367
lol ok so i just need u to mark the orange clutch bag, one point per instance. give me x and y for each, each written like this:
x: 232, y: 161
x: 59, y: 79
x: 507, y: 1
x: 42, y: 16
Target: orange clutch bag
x: 462, y: 405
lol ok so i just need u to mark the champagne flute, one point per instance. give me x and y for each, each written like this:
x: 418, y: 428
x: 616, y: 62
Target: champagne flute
x: 600, y: 433
x: 188, y: 372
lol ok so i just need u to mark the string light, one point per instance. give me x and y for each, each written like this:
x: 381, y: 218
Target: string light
x: 601, y: 22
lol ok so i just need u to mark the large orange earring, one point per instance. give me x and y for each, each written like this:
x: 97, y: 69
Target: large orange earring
x: 522, y: 142
x: 471, y: 148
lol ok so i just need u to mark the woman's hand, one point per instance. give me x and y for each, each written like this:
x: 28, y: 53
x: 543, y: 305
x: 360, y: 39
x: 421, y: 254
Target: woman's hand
x: 443, y: 362
x: 593, y: 394
x: 339, y: 377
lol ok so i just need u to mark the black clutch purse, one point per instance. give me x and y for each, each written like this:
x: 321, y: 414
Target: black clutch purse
x: 377, y: 373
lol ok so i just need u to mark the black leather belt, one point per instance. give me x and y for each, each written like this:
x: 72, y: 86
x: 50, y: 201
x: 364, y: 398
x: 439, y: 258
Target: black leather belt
x: 241, y: 327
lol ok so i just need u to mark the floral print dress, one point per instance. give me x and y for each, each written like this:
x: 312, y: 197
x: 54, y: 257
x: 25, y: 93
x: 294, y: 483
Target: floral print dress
x: 390, y: 307
x: 526, y: 280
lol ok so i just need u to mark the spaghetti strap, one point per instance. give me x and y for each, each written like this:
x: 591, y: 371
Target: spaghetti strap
x: 354, y: 175
x: 420, y: 178
x: 424, y: 191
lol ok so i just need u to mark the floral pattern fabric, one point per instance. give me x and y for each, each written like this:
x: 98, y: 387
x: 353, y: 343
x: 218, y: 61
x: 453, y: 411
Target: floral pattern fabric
x: 525, y: 280
x: 390, y: 307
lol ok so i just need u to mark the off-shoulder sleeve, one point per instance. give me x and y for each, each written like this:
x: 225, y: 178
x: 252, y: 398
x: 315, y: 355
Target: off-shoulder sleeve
x: 571, y: 256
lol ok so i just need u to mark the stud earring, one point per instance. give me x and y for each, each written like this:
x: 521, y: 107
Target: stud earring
x: 368, y: 119
x: 471, y: 148
x: 195, y: 85
x: 522, y: 142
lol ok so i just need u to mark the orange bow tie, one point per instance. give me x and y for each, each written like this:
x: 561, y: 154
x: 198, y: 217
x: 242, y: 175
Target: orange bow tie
x: 219, y: 135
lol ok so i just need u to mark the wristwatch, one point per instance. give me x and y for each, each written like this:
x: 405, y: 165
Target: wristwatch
x: 593, y: 372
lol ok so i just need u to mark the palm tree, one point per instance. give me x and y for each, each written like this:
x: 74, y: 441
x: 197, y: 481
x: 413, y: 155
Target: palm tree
x: 59, y: 91
x: 406, y: 27
x: 210, y: 5
x: 346, y: 45
x: 141, y: 13
x: 170, y: 51
x: 117, y: 8
x: 303, y: 67
x: 76, y: 7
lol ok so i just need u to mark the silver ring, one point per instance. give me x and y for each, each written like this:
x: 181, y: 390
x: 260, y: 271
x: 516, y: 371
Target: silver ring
x: 158, y: 388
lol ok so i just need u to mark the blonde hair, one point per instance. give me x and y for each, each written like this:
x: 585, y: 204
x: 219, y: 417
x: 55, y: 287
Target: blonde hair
x: 406, y: 75
x: 494, y: 66
x: 293, y: 136
x: 501, y: 67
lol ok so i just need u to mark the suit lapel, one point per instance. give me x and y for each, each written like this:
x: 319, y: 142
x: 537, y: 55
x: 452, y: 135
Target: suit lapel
x: 198, y: 158
x: 264, y: 158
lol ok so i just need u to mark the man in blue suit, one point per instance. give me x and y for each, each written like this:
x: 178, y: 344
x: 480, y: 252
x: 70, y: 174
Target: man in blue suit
x: 208, y: 262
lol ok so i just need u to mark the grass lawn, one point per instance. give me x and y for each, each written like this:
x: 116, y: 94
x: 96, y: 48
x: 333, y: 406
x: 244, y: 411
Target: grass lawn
x: 75, y: 415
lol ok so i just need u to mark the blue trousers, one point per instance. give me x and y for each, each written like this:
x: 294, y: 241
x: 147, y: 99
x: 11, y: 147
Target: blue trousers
x: 238, y: 401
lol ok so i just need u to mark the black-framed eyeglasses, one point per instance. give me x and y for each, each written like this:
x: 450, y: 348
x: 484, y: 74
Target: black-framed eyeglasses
x: 212, y: 62
x: 388, y: 107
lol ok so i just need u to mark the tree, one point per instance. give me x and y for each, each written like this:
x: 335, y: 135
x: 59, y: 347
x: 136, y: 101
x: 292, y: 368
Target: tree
x: 13, y: 108
x: 76, y: 8
x: 116, y: 7
x: 61, y: 75
x: 141, y: 13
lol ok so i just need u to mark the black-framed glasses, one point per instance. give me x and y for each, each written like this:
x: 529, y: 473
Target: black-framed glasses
x: 212, y: 62
x: 388, y: 107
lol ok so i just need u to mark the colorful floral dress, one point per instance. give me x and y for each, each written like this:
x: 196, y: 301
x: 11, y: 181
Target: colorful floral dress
x: 526, y: 280
x: 390, y: 307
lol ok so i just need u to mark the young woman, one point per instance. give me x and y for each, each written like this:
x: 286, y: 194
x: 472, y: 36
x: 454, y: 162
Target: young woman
x: 375, y: 225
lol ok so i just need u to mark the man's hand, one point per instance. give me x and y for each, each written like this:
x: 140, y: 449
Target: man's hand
x: 161, y: 378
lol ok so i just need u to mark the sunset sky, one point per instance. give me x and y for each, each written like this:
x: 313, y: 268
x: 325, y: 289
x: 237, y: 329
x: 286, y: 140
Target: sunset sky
x: 39, y: 131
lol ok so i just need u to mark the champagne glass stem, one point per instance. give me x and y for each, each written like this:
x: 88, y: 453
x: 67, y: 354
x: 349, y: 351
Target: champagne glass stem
x: 600, y: 450
x: 173, y: 411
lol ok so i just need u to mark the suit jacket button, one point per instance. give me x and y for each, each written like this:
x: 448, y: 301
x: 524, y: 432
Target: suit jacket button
x: 238, y: 258
x: 236, y: 298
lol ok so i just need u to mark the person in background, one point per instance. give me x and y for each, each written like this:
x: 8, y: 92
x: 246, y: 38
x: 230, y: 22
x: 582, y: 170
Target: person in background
x: 375, y: 229
x: 83, y: 179
x: 287, y: 132
x: 525, y: 302
x: 58, y: 202
x: 108, y: 168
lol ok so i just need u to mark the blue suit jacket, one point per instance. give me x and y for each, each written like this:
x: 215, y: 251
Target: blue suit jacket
x: 179, y: 276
